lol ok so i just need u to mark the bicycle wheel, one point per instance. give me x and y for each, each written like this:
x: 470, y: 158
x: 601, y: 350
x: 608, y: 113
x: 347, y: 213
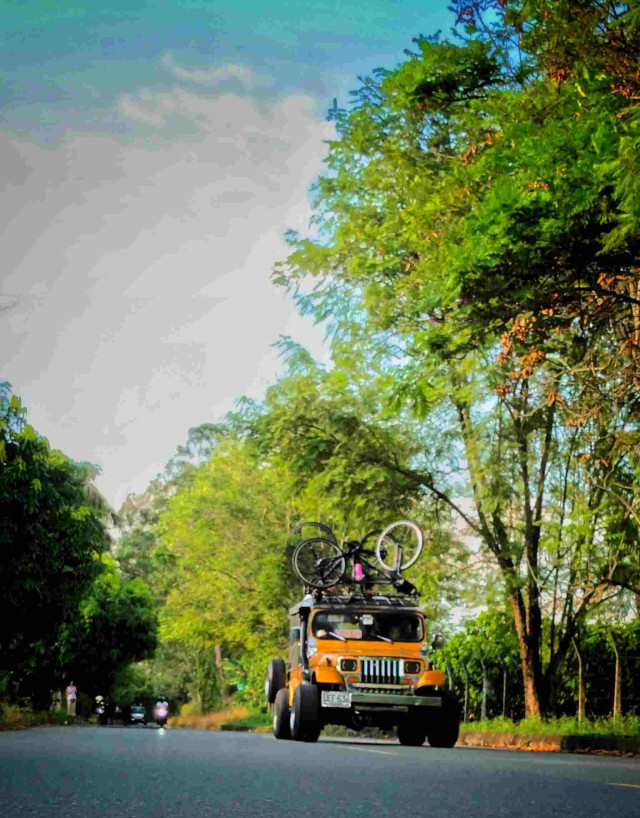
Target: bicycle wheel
x: 369, y: 535
x: 319, y: 562
x: 306, y: 530
x: 399, y: 545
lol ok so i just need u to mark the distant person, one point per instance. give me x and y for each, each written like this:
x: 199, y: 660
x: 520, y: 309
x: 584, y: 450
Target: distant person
x: 72, y: 695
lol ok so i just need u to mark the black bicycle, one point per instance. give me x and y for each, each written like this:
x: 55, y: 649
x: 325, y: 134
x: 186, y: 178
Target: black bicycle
x: 320, y: 562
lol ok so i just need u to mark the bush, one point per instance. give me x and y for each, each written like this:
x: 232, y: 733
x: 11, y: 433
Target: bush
x: 14, y: 717
x: 567, y: 725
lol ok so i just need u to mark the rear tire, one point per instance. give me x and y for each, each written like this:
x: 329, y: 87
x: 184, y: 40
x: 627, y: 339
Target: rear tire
x: 412, y: 733
x: 304, y: 718
x: 443, y: 731
x: 275, y: 679
x: 281, y: 715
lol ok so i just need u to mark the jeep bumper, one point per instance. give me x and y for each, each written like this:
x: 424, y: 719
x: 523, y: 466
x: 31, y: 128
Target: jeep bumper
x: 395, y: 699
x: 365, y: 699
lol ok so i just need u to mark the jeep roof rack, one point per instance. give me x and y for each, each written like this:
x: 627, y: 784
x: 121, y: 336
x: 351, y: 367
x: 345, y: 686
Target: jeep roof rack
x: 381, y: 601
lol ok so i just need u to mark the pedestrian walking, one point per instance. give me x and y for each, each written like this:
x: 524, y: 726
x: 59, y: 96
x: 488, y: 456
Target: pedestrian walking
x: 72, y: 694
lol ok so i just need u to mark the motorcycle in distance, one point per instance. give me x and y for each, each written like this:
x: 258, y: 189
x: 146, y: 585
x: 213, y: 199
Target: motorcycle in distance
x: 162, y: 712
x: 101, y: 710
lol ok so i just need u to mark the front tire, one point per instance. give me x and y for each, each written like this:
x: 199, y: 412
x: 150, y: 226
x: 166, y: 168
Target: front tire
x: 443, y: 731
x: 281, y: 715
x: 412, y: 733
x: 304, y: 718
x: 275, y: 679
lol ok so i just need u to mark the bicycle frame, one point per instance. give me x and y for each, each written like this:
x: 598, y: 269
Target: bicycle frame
x: 354, y: 556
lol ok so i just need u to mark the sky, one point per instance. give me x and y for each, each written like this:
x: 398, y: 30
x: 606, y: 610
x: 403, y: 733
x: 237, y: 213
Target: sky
x: 153, y: 155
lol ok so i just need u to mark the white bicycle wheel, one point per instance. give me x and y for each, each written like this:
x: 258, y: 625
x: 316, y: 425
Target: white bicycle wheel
x: 399, y: 545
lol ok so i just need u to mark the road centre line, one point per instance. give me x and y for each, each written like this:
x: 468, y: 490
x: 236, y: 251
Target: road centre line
x: 635, y: 786
x: 365, y: 750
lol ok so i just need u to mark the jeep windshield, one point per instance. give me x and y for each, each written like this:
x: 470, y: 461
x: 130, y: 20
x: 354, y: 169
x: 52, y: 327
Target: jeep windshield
x: 368, y: 626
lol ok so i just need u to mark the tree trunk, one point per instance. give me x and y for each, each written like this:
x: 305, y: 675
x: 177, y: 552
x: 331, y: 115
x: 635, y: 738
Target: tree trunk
x: 504, y: 688
x: 466, y: 694
x: 580, y: 684
x: 617, y: 685
x: 220, y: 675
x: 485, y: 692
x: 531, y: 670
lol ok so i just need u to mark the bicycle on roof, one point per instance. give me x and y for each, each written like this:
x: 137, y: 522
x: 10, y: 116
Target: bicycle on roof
x: 319, y: 562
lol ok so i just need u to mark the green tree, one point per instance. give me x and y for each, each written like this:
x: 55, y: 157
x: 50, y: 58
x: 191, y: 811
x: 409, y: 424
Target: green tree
x: 115, y: 626
x: 485, y: 648
x: 351, y: 464
x: 52, y: 528
x: 222, y: 546
x: 461, y: 195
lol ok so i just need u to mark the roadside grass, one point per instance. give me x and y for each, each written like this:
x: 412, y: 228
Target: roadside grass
x: 209, y: 721
x: 254, y: 721
x: 241, y: 718
x: 566, y: 726
x: 13, y: 717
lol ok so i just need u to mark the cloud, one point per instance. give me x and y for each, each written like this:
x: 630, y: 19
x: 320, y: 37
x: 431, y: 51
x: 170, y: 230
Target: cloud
x: 137, y: 270
x: 212, y: 76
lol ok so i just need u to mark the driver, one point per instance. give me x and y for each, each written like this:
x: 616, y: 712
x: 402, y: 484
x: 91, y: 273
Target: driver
x: 395, y: 632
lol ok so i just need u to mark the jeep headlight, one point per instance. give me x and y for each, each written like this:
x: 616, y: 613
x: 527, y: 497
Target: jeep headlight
x: 348, y: 665
x: 412, y: 667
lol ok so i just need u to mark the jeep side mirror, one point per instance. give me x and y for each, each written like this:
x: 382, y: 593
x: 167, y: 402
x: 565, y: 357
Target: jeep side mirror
x: 294, y: 636
x: 438, y: 641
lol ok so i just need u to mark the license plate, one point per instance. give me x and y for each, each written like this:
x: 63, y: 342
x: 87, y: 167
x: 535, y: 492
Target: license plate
x: 335, y: 698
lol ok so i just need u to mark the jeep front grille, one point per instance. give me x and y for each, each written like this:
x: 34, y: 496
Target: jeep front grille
x: 394, y: 690
x: 381, y: 671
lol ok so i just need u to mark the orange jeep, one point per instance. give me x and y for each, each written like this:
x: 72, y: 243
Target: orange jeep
x: 360, y: 660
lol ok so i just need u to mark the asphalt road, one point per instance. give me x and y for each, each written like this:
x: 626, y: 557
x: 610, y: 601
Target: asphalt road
x: 145, y: 772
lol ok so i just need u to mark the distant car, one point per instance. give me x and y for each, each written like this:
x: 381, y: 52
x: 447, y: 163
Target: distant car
x: 137, y: 715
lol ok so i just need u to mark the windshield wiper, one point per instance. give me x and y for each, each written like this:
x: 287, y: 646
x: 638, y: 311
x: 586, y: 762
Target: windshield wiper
x: 333, y: 633
x: 384, y: 638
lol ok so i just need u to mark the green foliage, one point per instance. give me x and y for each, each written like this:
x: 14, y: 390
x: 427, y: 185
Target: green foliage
x: 52, y: 528
x: 566, y: 726
x: 116, y: 625
x: 14, y: 717
x: 221, y: 538
x: 489, y: 638
x: 472, y: 231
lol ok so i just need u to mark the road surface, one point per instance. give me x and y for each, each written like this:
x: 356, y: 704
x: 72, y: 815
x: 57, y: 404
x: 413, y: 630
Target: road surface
x: 145, y: 772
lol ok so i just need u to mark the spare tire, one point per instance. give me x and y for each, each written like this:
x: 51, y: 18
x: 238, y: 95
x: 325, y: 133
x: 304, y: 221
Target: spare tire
x: 275, y: 679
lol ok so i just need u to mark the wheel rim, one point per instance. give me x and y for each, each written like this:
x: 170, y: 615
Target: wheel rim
x: 399, y: 545
x: 308, y: 530
x: 292, y: 722
x: 319, y: 562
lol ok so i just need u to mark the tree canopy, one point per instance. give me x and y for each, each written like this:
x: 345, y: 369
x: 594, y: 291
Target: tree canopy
x: 473, y: 216
x: 52, y: 531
